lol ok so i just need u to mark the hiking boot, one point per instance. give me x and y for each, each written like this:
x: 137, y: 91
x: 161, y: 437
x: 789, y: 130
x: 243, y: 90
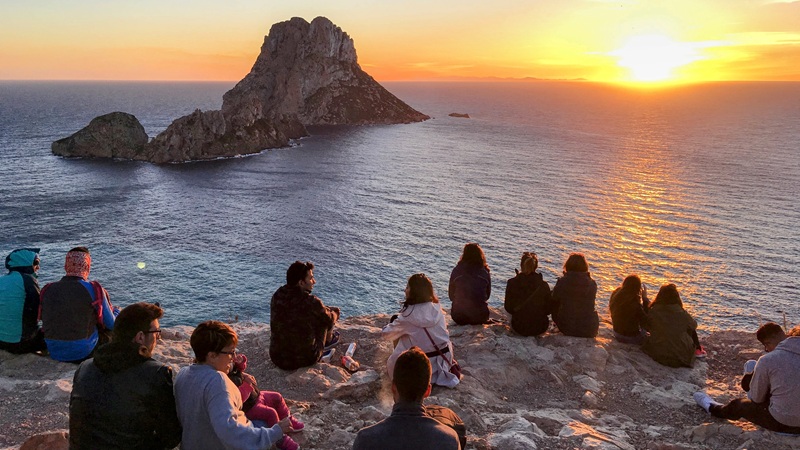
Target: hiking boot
x: 296, y: 424
x: 287, y: 443
x: 700, y: 353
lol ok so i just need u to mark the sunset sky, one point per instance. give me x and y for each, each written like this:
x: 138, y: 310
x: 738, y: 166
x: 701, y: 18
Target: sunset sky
x: 598, y: 40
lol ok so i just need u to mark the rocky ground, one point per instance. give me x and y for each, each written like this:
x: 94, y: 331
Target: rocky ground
x: 550, y: 392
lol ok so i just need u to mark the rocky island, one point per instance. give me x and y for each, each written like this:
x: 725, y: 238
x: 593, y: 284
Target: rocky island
x: 306, y: 74
x: 548, y: 392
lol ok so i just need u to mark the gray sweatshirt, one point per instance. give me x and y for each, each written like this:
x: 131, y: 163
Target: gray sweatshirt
x: 210, y: 410
x: 777, y: 378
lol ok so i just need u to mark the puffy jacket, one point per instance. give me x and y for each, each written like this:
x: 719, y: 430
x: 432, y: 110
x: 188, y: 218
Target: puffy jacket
x: 574, y: 302
x: 469, y: 291
x: 19, y: 297
x: 628, y: 314
x: 409, y: 330
x: 122, y: 400
x: 298, y: 324
x: 670, y: 342
x: 528, y: 302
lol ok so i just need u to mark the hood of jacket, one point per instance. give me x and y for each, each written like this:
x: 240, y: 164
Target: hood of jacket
x: 423, y: 315
x: 116, y: 357
x: 22, y: 259
x: 791, y: 344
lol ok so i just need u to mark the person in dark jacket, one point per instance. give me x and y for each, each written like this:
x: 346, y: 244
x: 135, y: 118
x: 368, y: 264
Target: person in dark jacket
x: 628, y: 306
x: 301, y: 326
x: 19, y: 303
x: 528, y: 298
x: 122, y: 398
x: 673, y: 338
x: 409, y: 427
x: 574, y: 299
x: 470, y: 287
x: 77, y: 315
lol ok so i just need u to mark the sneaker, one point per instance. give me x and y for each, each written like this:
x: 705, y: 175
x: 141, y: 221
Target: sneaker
x: 296, y: 424
x: 287, y: 443
x: 700, y: 352
x: 749, y: 366
x: 704, y: 401
x: 334, y: 340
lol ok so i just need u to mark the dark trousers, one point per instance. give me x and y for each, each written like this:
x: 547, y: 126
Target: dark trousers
x: 758, y: 413
x: 35, y: 344
x: 695, y: 339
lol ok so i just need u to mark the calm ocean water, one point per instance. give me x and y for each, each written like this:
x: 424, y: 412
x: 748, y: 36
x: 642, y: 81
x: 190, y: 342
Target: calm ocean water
x: 696, y: 186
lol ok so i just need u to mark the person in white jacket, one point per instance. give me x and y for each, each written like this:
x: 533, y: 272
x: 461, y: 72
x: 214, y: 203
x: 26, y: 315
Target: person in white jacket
x: 421, y: 311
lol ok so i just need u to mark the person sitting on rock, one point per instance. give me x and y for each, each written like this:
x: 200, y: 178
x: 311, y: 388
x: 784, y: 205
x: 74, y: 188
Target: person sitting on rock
x: 421, y: 323
x: 19, y: 303
x: 470, y: 287
x: 77, y: 315
x: 528, y: 298
x: 573, y: 297
x: 263, y: 406
x: 301, y: 326
x: 122, y: 398
x: 772, y: 400
x: 673, y: 338
x: 210, y: 405
x: 409, y: 426
x: 628, y: 306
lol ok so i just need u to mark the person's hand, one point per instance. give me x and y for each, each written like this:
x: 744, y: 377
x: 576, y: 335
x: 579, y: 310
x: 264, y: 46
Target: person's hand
x: 249, y: 379
x: 286, y: 425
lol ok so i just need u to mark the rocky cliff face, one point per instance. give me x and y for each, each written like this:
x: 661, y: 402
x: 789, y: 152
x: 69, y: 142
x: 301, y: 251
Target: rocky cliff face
x: 306, y: 74
x: 114, y: 135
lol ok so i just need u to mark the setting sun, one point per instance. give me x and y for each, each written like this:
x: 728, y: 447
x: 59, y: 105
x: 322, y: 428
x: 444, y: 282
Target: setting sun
x: 654, y: 57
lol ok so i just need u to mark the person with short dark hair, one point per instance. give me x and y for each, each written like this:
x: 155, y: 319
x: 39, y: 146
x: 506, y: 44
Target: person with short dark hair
x: 77, y: 315
x: 772, y: 400
x: 528, y: 298
x: 628, y: 307
x: 421, y: 323
x: 574, y: 297
x: 409, y: 427
x: 470, y: 287
x: 19, y: 303
x: 122, y: 398
x: 209, y: 403
x: 301, y: 326
x: 673, y: 338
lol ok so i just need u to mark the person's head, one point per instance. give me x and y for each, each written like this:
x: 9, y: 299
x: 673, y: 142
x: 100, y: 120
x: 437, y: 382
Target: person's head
x: 576, y: 262
x: 301, y: 274
x: 214, y: 344
x: 25, y: 260
x: 411, y: 380
x: 473, y: 255
x: 529, y: 262
x: 668, y: 295
x: 419, y: 290
x: 632, y: 283
x: 770, y: 335
x: 138, y: 323
x: 78, y: 263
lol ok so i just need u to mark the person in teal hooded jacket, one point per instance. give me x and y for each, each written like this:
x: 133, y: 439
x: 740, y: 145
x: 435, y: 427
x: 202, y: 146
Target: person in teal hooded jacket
x: 19, y: 303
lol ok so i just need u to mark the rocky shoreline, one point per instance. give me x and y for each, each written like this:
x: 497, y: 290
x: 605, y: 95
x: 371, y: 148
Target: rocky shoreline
x: 549, y: 392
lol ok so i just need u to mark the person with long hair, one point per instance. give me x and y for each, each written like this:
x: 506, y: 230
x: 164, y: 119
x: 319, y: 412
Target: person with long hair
x: 470, y: 287
x: 421, y: 323
x: 673, y: 338
x: 528, y: 298
x: 628, y: 306
x: 574, y: 299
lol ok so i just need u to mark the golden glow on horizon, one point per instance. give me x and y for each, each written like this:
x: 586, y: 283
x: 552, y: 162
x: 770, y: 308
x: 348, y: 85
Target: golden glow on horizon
x: 654, y: 57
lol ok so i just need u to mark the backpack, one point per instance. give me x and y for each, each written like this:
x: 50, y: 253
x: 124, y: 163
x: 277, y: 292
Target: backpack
x: 447, y: 416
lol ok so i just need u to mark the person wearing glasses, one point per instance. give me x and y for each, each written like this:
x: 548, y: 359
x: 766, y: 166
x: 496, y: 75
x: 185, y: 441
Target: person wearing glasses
x: 19, y: 303
x: 210, y: 405
x: 122, y: 398
x: 528, y: 298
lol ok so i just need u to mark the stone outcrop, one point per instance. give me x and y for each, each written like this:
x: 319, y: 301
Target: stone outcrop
x: 113, y: 135
x: 459, y: 115
x: 306, y: 74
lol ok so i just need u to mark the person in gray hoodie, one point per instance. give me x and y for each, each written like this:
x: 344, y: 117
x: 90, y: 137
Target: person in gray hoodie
x: 772, y: 401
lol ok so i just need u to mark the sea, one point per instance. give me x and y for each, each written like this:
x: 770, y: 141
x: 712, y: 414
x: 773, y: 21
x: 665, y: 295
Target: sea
x: 695, y: 185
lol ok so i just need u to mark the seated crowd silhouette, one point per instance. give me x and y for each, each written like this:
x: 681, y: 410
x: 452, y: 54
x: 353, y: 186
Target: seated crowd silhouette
x: 123, y: 398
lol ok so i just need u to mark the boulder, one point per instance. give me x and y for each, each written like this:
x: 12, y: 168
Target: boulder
x: 113, y: 135
x: 52, y: 440
x: 459, y: 115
